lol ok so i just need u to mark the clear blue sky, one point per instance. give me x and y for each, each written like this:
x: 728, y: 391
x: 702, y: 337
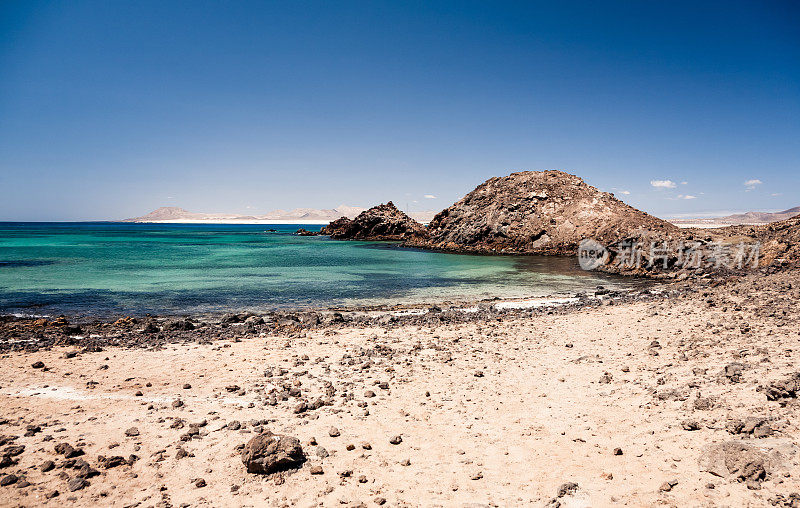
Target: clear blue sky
x: 109, y: 109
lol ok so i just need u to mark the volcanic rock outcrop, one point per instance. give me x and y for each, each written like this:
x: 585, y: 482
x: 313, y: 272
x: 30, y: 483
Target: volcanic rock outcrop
x: 382, y: 222
x: 537, y: 212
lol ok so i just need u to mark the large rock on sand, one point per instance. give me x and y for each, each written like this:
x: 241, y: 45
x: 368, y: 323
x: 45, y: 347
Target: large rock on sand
x: 741, y: 461
x: 269, y: 453
x: 537, y: 212
x: 382, y: 222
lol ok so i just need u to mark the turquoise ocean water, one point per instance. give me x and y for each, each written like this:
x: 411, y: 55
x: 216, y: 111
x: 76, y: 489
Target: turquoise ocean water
x: 106, y: 269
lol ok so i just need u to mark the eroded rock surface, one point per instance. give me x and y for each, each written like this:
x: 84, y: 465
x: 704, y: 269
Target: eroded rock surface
x: 537, y: 212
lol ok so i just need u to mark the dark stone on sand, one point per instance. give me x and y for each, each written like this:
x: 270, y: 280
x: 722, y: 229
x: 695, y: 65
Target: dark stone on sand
x: 13, y: 451
x: 67, y: 450
x: 8, y: 479
x: 109, y: 462
x: 786, y: 389
x: 268, y: 453
x: 567, y: 489
x: 77, y: 483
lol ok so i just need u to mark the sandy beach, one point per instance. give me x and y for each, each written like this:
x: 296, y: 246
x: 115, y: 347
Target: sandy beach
x: 619, y: 402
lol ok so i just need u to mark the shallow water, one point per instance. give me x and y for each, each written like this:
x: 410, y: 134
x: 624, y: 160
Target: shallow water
x: 103, y: 269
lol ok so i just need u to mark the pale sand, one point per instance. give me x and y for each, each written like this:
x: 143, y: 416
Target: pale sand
x: 516, y: 408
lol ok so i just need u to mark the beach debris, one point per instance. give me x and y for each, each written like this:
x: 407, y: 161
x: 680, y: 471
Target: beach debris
x: 668, y: 485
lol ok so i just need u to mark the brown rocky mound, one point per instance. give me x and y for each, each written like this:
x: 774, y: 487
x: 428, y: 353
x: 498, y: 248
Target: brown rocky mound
x: 537, y: 212
x: 382, y: 222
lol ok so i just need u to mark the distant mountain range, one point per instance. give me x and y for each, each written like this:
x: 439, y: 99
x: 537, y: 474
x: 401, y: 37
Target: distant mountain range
x: 296, y: 216
x: 744, y: 218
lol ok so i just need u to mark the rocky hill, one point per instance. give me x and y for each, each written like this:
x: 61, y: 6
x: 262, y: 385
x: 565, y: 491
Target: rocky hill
x: 552, y: 212
x: 536, y: 212
x: 382, y: 222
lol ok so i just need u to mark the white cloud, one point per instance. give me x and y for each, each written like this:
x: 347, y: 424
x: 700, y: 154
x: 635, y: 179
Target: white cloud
x: 429, y: 196
x: 626, y: 192
x: 776, y: 194
x: 663, y: 184
x: 684, y: 183
x: 752, y: 184
x: 687, y: 196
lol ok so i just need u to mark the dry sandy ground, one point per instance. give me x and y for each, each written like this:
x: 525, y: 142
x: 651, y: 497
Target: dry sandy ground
x: 500, y: 413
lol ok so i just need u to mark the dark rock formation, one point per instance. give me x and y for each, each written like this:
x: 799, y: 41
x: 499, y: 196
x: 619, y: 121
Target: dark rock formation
x: 269, y: 453
x: 305, y: 232
x: 382, y: 222
x: 536, y: 212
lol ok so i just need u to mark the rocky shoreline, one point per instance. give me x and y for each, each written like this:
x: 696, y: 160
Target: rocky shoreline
x: 682, y: 396
x: 31, y: 334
